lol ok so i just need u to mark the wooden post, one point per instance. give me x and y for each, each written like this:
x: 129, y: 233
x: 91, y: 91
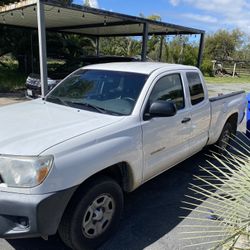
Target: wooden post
x: 234, y: 69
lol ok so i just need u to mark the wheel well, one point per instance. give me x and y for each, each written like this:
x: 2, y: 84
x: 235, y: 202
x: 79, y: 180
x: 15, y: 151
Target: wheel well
x: 233, y: 120
x: 120, y: 172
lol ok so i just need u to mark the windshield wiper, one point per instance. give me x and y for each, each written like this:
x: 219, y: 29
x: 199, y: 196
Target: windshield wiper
x: 99, y: 109
x: 56, y: 99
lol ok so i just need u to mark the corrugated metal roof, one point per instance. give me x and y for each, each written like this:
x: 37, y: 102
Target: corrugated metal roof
x: 84, y: 20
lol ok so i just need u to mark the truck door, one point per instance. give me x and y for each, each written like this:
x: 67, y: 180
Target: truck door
x: 200, y: 112
x: 165, y: 139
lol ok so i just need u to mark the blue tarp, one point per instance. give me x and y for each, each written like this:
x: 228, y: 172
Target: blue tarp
x: 248, y: 115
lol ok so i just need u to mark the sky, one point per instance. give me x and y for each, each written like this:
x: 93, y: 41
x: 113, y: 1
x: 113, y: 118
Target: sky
x: 208, y: 15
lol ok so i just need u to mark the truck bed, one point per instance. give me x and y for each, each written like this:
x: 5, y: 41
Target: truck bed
x: 222, y: 107
x: 223, y: 96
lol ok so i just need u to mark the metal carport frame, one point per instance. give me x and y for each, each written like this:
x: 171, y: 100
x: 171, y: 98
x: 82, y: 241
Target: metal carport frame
x: 53, y: 16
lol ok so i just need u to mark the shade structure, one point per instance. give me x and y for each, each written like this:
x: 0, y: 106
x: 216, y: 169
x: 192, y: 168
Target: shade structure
x: 53, y: 16
x: 84, y: 20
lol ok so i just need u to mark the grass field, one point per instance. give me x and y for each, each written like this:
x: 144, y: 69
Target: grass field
x: 10, y: 79
x: 243, y: 79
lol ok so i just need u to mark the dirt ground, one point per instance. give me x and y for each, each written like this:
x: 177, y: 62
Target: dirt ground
x: 10, y: 98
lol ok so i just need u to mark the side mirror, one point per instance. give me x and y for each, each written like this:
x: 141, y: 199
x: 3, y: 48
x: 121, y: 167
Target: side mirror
x: 162, y: 109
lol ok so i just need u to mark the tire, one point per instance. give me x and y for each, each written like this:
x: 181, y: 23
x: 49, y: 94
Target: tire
x: 225, y: 138
x: 93, y: 215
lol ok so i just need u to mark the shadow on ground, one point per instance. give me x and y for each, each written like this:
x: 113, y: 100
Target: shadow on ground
x: 151, y: 211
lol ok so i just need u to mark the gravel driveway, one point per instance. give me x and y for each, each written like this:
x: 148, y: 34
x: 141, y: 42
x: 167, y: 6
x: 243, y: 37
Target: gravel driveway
x: 6, y: 99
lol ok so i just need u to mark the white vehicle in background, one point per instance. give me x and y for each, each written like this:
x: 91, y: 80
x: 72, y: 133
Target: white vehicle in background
x: 67, y: 159
x: 33, y: 82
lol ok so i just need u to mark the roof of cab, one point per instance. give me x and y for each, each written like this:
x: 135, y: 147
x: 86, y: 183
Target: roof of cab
x: 139, y: 67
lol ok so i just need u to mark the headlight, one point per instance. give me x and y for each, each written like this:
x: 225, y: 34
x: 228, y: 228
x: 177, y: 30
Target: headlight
x: 24, y: 171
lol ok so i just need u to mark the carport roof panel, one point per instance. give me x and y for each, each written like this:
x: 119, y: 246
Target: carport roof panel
x: 85, y: 20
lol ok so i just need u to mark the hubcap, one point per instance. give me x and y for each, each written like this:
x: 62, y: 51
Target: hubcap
x: 98, y: 216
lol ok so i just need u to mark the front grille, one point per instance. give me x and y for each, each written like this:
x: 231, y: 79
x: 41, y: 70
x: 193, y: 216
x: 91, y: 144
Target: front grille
x: 32, y: 87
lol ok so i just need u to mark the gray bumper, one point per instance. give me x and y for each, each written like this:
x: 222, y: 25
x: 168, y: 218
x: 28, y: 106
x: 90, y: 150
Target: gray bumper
x: 23, y: 215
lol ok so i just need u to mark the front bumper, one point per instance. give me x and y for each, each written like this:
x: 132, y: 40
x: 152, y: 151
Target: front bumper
x: 33, y: 91
x: 24, y: 216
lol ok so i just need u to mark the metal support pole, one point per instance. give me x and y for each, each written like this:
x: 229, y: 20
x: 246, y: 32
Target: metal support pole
x: 97, y: 46
x: 144, y: 42
x: 42, y: 47
x: 201, y: 48
x: 161, y: 46
x: 31, y: 51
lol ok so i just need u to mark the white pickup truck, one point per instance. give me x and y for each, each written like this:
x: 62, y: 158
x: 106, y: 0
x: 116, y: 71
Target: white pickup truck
x: 67, y: 159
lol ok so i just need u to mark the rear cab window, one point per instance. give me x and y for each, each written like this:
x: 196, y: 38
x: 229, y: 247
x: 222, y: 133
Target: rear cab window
x: 196, y: 89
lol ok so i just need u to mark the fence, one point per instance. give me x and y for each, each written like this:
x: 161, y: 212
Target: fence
x: 234, y: 68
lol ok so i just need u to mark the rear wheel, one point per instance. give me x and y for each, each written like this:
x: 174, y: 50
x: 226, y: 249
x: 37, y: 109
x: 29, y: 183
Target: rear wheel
x: 225, y: 138
x: 92, y: 215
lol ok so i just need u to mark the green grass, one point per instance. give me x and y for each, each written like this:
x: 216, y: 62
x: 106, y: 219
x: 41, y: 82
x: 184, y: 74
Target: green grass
x: 11, y: 80
x: 242, y: 79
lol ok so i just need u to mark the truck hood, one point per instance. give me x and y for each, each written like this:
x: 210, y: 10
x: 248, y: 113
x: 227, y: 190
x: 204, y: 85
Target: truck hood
x: 30, y: 128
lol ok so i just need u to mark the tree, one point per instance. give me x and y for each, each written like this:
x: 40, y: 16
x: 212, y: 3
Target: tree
x: 180, y: 50
x: 120, y: 46
x: 129, y: 46
x: 154, y: 42
x: 23, y: 44
x: 223, y: 44
x: 91, y: 3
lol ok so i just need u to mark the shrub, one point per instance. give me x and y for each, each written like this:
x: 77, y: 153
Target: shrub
x: 207, y: 68
x: 10, y: 79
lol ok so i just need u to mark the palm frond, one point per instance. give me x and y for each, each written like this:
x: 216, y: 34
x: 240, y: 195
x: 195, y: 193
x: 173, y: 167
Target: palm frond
x: 220, y: 201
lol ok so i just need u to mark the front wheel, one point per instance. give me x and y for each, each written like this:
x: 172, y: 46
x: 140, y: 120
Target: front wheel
x: 93, y: 214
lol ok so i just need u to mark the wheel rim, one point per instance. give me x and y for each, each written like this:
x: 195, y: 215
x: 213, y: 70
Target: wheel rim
x: 98, y: 216
x: 225, y: 139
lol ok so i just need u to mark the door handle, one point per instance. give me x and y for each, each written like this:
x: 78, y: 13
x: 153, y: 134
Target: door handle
x: 185, y: 120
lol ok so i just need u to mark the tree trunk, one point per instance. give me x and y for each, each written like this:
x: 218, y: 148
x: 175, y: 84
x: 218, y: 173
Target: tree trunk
x: 24, y: 63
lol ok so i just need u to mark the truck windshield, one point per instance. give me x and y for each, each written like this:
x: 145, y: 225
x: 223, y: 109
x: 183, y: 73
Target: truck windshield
x: 109, y: 92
